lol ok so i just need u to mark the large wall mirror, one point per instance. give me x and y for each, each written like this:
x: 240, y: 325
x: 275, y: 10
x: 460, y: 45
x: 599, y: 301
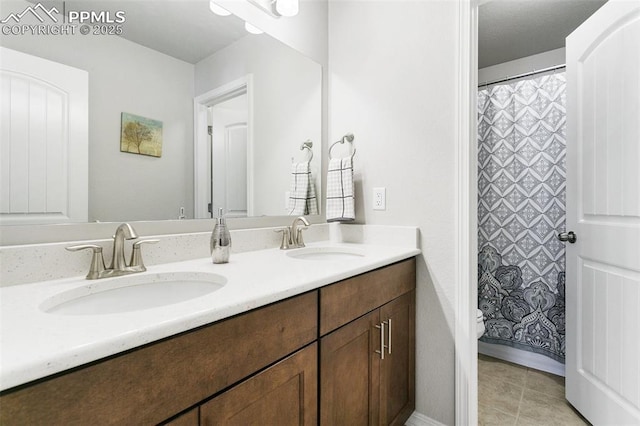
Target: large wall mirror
x: 234, y: 110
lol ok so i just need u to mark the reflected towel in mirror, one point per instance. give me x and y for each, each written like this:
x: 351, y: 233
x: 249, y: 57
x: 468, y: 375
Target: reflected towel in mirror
x: 302, y: 194
x: 340, y: 199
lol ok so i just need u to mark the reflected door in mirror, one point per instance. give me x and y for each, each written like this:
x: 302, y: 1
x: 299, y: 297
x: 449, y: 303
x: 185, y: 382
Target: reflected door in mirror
x: 44, y: 140
x: 229, y: 153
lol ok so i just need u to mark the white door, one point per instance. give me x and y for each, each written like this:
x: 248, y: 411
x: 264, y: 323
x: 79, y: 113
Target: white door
x: 230, y: 156
x: 603, y: 209
x: 43, y: 140
x: 236, y: 166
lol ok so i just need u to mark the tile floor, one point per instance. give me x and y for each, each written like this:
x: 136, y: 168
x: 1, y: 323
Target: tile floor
x: 510, y: 394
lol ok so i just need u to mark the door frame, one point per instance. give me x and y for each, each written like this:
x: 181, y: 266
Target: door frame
x: 201, y: 172
x: 466, y: 341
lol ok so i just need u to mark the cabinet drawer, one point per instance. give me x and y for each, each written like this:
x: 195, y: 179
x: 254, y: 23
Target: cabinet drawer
x: 346, y: 300
x: 150, y: 384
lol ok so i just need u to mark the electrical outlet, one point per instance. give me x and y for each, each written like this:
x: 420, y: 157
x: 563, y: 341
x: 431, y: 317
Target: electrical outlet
x: 379, y: 199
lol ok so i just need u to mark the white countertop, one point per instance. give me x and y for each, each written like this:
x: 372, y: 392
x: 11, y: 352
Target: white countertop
x: 35, y: 344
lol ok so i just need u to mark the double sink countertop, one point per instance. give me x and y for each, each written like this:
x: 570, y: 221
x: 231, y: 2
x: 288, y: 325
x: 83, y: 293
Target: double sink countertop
x: 35, y: 344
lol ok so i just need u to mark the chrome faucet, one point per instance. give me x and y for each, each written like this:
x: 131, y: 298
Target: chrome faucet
x: 119, y: 265
x: 124, y: 231
x: 296, y: 231
x: 292, y: 235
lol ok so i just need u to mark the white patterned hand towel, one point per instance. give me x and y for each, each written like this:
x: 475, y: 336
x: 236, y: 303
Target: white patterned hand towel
x: 302, y: 195
x: 340, y: 199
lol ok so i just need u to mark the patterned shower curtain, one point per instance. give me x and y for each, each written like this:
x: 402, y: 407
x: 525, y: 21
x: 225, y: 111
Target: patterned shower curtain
x: 521, y: 208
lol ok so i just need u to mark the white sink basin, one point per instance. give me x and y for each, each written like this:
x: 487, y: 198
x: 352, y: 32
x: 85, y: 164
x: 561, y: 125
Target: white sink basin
x: 133, y: 293
x: 325, y: 253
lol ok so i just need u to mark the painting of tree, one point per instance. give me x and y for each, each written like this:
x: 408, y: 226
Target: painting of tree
x: 140, y: 135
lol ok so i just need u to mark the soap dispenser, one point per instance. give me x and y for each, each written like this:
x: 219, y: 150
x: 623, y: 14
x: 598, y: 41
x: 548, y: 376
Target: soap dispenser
x: 220, y: 241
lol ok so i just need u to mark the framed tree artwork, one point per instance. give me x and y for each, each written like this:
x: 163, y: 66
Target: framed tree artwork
x: 140, y: 135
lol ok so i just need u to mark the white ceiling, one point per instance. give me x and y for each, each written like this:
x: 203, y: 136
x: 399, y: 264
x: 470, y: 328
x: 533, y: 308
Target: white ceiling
x: 513, y: 29
x: 184, y: 29
x: 188, y: 30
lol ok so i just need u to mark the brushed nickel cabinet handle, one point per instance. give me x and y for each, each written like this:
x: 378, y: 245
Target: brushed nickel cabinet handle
x: 389, y: 335
x: 382, y: 345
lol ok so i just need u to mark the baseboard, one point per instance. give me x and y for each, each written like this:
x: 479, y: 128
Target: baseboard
x: 517, y: 356
x: 418, y: 419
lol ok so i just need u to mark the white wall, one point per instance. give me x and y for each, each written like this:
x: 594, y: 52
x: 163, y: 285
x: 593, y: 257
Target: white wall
x: 126, y: 77
x: 392, y: 68
x: 287, y: 109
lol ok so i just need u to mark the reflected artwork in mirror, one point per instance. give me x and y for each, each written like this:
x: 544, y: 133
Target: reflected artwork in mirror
x: 175, y: 62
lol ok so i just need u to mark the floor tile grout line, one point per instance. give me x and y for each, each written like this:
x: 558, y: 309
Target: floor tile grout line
x: 518, y: 383
x: 501, y: 411
x: 521, y: 396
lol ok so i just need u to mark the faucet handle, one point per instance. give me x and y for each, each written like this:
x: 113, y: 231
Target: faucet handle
x: 97, y: 260
x: 136, y: 255
x: 286, y: 237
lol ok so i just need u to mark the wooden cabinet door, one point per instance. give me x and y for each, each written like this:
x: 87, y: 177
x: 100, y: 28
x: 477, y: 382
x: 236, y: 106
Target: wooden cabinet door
x: 349, y: 383
x: 397, y: 374
x: 284, y: 394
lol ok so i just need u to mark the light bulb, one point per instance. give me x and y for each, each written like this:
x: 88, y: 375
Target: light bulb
x: 287, y: 7
x: 217, y: 9
x: 252, y: 29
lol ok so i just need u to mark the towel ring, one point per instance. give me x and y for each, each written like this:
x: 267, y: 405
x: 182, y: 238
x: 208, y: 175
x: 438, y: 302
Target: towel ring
x: 308, y: 144
x: 349, y: 138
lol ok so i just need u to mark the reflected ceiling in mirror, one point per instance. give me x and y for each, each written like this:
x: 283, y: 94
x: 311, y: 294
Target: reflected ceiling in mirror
x: 168, y: 54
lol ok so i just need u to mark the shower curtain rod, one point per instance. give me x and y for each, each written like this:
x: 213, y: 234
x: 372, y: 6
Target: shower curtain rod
x: 515, y: 77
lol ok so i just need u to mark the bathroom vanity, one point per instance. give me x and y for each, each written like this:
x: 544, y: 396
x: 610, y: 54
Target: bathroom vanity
x: 339, y: 350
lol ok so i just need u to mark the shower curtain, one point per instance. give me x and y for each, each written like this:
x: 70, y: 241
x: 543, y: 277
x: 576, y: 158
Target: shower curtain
x: 521, y: 208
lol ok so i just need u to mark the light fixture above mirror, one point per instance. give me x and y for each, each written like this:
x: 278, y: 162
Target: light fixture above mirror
x: 274, y: 8
x: 217, y: 9
x: 287, y: 7
x: 267, y: 6
x: 277, y: 8
x: 252, y: 29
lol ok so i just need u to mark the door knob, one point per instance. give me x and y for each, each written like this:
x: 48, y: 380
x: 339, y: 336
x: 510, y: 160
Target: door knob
x: 567, y: 236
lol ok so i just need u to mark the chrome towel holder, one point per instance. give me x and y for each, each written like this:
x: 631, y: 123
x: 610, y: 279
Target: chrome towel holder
x: 308, y: 144
x: 348, y: 138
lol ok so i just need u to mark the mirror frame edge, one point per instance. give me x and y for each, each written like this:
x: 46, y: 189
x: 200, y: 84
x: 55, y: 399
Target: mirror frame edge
x: 16, y: 235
